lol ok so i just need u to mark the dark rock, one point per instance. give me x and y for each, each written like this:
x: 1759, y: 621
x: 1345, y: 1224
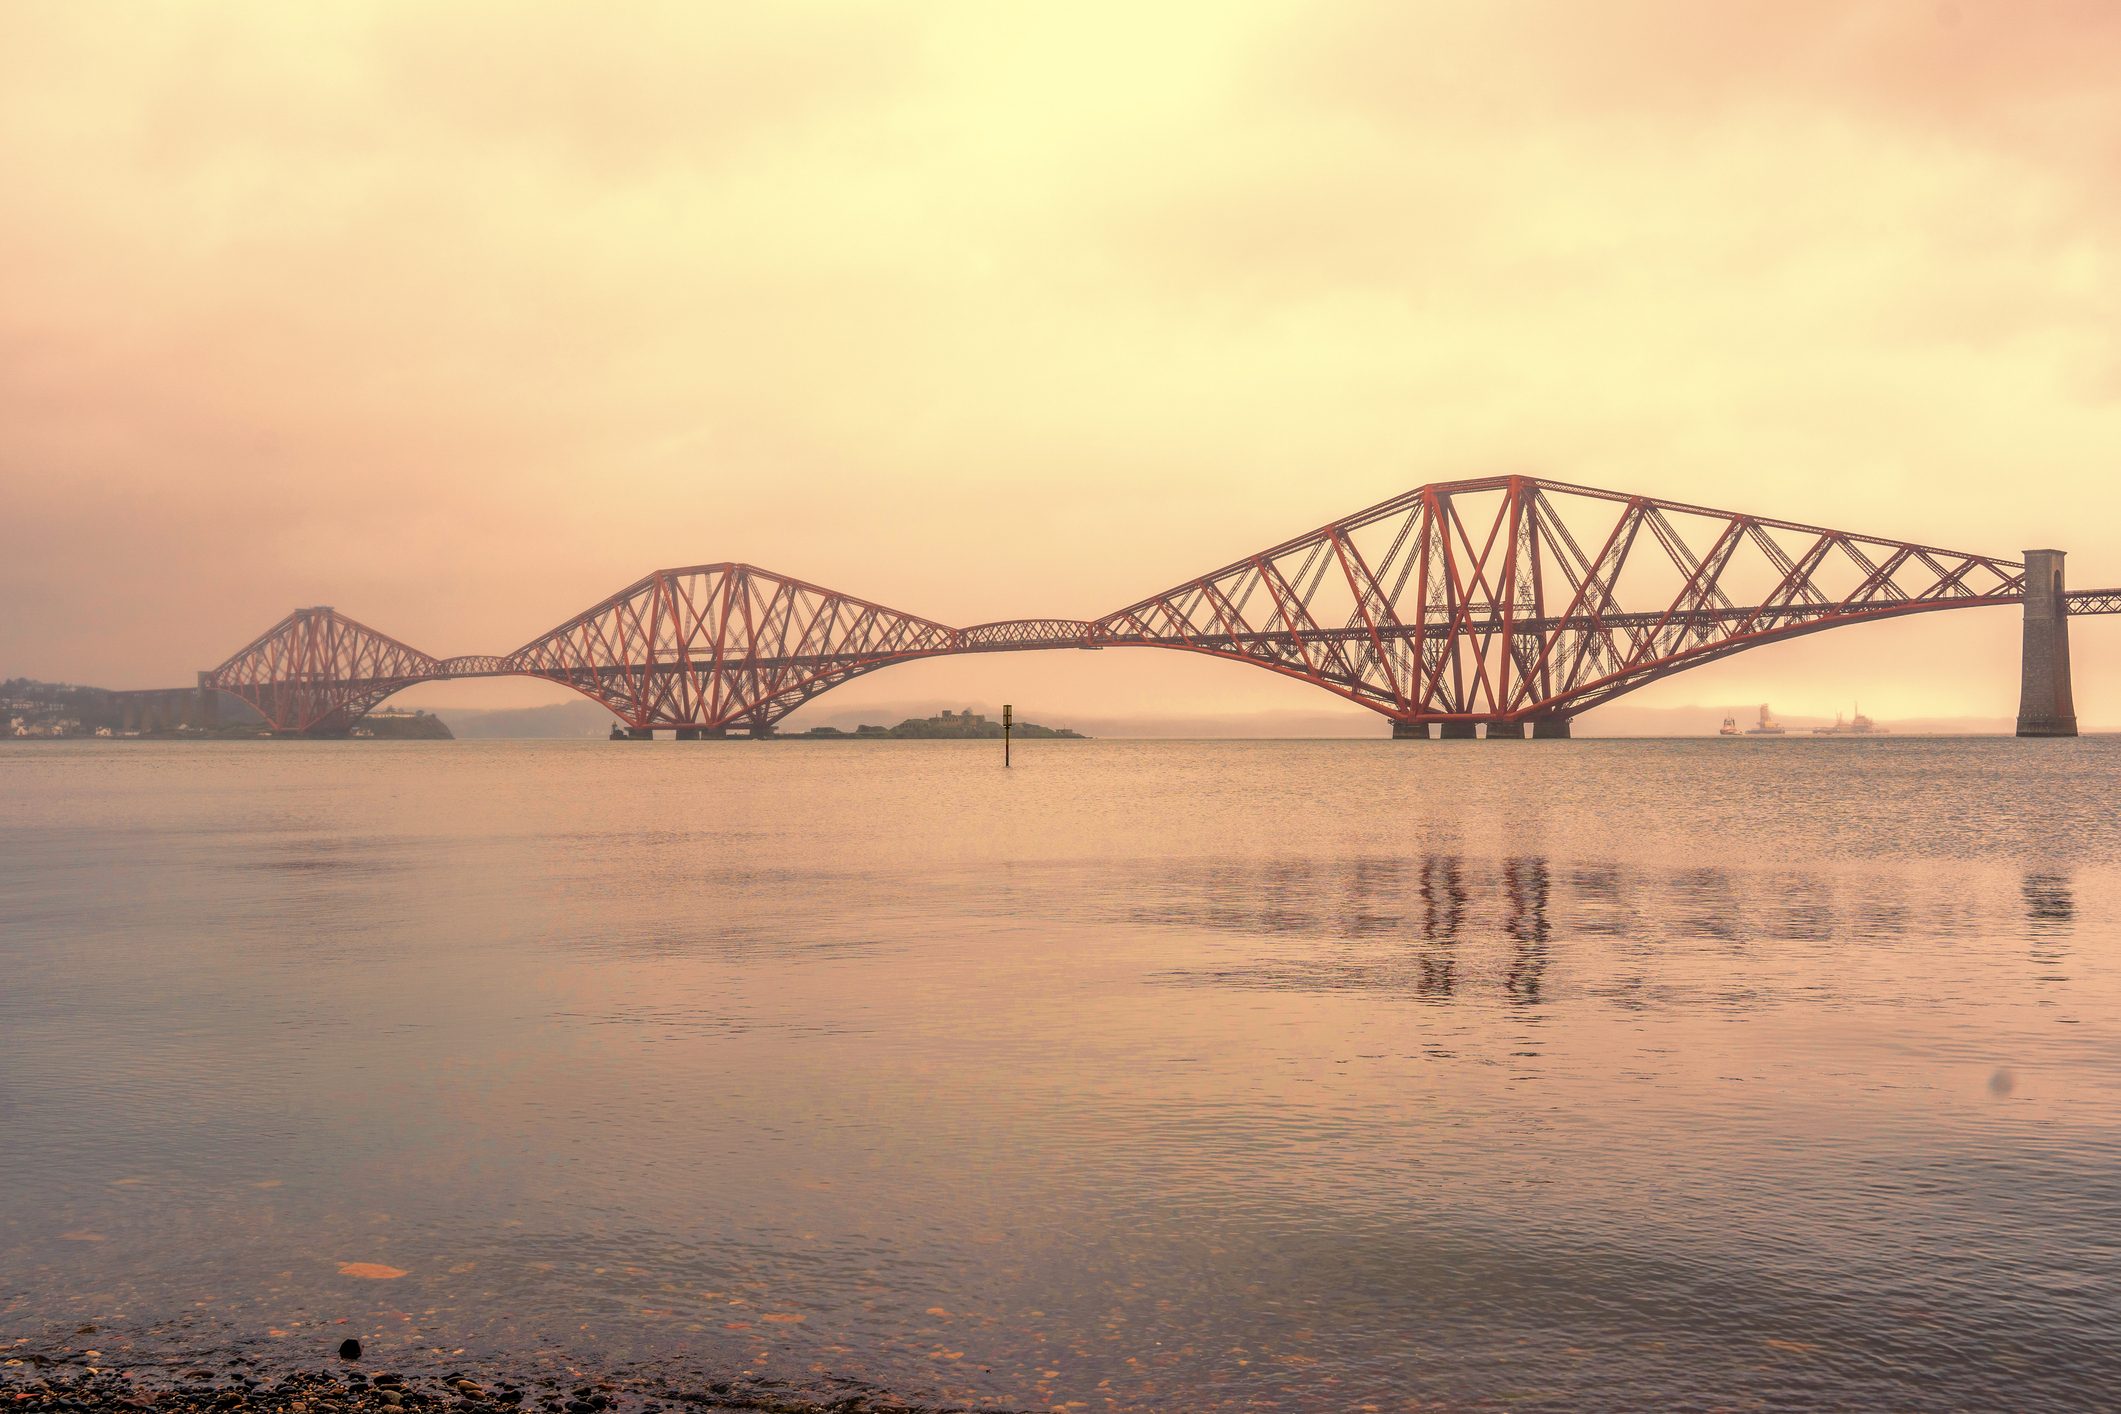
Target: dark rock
x: 349, y: 1349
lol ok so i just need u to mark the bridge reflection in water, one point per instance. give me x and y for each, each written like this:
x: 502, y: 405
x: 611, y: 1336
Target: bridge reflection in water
x: 1446, y: 927
x: 1503, y: 605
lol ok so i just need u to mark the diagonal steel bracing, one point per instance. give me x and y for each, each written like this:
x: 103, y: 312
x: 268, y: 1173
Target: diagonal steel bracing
x: 1498, y: 599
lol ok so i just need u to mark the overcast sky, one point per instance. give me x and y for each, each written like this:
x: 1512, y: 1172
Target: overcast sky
x: 460, y: 316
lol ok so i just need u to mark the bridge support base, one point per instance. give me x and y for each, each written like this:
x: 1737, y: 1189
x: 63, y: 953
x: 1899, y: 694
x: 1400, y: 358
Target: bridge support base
x: 640, y: 733
x: 1410, y: 731
x: 1457, y: 731
x: 2045, y: 704
x: 1542, y: 729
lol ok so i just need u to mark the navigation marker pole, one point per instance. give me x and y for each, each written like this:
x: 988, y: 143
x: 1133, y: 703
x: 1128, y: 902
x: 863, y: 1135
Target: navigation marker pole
x: 1006, y: 709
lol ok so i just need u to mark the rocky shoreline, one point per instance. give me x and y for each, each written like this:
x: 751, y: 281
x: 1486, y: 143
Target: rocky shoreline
x: 34, y: 1385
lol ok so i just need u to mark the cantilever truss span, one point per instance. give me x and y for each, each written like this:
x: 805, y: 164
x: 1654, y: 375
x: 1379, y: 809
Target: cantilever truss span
x: 1500, y: 600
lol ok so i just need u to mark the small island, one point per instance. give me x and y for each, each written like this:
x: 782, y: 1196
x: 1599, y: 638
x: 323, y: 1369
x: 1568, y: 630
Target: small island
x: 967, y: 725
x: 395, y: 724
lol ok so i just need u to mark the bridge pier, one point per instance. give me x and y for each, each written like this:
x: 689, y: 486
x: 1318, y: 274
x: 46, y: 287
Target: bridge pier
x: 156, y: 710
x: 2045, y: 705
x: 1543, y: 729
x: 640, y: 733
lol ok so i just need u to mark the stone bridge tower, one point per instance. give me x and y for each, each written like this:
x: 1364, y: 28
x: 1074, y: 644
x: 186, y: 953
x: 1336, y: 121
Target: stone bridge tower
x: 2045, y: 707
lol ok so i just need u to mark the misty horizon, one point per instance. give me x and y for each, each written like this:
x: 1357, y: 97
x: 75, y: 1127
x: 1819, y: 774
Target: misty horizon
x: 460, y: 328
x: 502, y: 505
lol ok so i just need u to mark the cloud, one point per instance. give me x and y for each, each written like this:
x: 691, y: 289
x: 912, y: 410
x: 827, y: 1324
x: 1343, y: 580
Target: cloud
x: 461, y: 316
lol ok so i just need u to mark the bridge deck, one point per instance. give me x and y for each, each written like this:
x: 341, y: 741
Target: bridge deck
x: 1498, y: 598
x: 1030, y: 635
x: 1036, y: 634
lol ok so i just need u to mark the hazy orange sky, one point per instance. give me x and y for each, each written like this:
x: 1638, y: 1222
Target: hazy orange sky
x: 460, y: 316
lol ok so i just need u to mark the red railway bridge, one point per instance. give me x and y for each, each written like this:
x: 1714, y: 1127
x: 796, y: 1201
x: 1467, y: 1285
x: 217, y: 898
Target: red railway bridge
x: 1508, y: 604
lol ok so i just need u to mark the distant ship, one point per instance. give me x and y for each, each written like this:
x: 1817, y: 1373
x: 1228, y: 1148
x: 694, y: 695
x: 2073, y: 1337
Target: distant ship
x: 1767, y: 726
x: 1729, y: 727
x: 1861, y: 726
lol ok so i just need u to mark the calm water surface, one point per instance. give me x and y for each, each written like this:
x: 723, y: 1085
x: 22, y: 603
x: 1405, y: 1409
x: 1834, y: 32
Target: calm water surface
x: 1145, y: 1075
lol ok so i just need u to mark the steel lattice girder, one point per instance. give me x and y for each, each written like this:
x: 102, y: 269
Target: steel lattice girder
x: 1499, y: 599
x: 1478, y: 599
x: 716, y: 645
x: 317, y: 670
